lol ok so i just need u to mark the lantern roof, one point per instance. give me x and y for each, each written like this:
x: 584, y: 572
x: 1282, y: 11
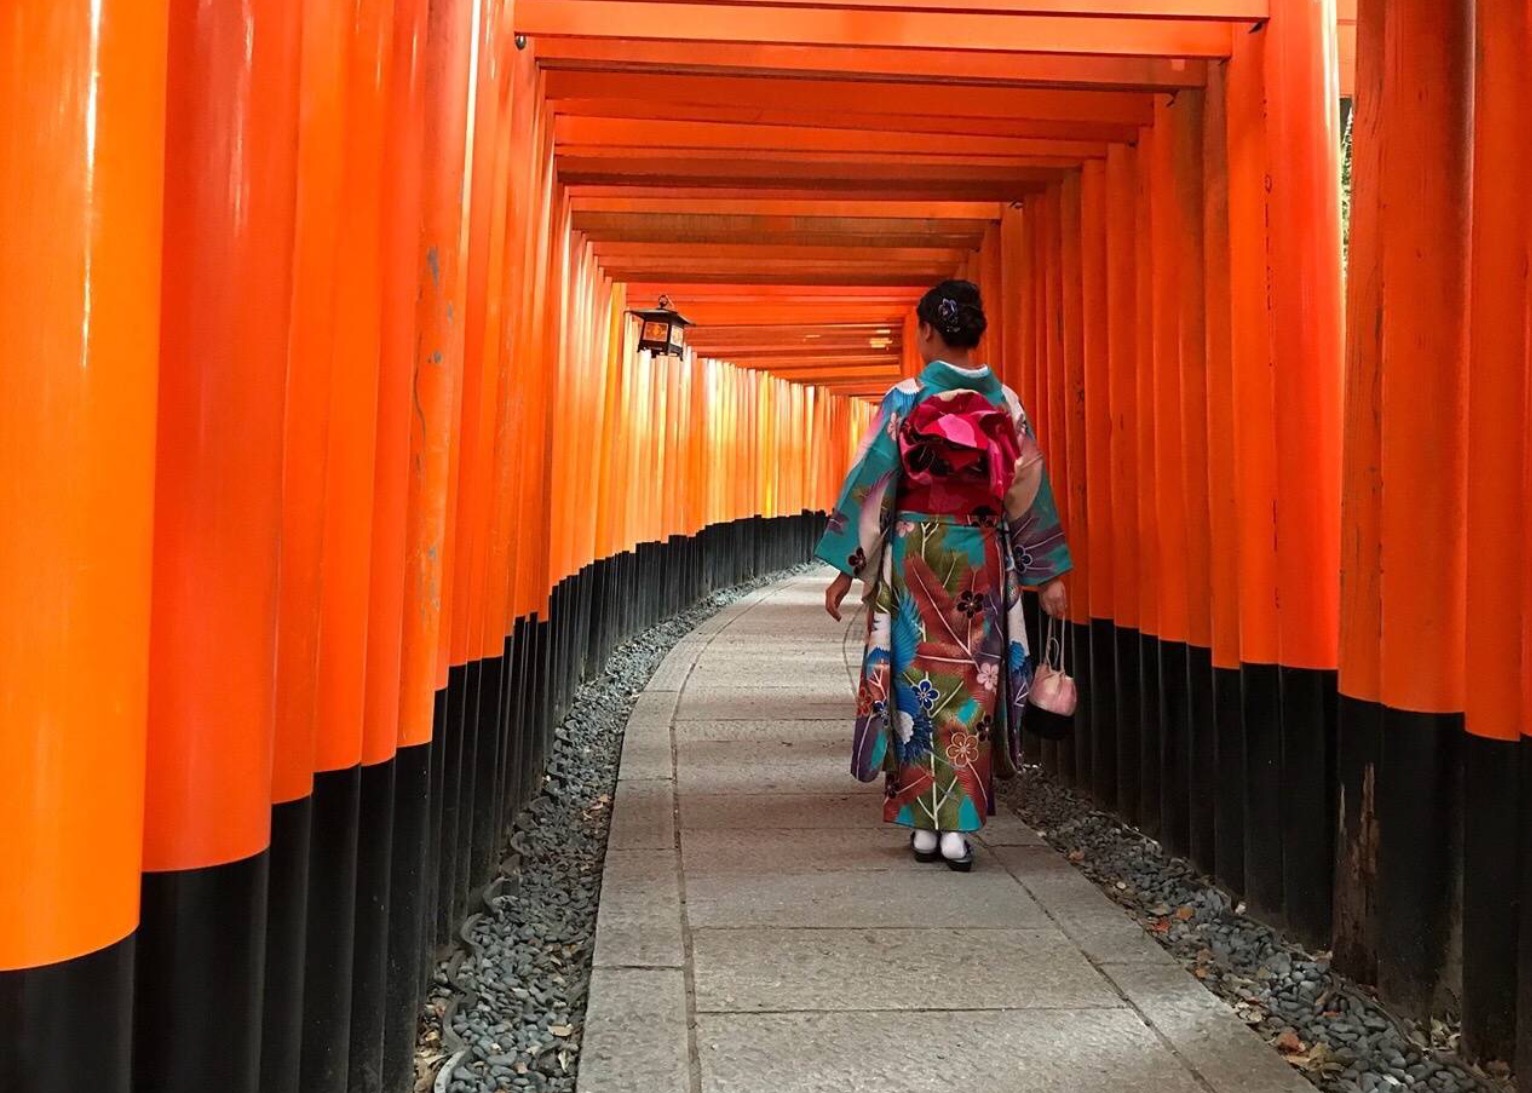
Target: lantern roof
x: 664, y: 313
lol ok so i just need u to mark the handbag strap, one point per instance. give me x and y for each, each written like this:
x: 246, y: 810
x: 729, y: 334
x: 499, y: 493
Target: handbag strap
x: 1055, y: 646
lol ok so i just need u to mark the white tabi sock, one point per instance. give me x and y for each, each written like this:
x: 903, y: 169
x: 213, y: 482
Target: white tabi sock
x: 925, y: 841
x: 954, y: 846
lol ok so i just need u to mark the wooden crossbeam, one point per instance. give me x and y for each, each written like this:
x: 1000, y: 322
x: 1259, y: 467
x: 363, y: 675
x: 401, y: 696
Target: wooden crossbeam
x: 838, y: 361
x: 934, y: 100
x: 1243, y: 11
x: 794, y: 190
x: 653, y: 203
x: 943, y: 126
x: 784, y: 294
x: 911, y: 180
x: 787, y: 353
x: 726, y: 21
x: 587, y: 136
x: 934, y: 67
x: 766, y: 250
x: 768, y: 312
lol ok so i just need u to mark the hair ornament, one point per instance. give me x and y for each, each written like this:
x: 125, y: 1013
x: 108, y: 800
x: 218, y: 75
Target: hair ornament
x: 947, y: 311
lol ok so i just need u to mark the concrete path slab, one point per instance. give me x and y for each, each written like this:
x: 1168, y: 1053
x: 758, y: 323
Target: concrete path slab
x: 761, y: 931
x: 1020, y: 1051
x: 920, y: 969
x: 763, y: 850
x: 783, y: 812
x: 772, y: 730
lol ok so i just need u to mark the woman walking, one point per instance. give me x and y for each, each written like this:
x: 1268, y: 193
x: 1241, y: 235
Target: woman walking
x: 946, y: 515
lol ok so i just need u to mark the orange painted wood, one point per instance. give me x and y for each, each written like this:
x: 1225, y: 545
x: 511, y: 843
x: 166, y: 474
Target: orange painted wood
x: 439, y: 267
x: 1008, y: 362
x: 326, y: 38
x: 1054, y: 433
x: 1222, y: 413
x: 832, y: 116
x: 611, y: 253
x: 1425, y: 167
x: 1497, y: 374
x: 400, y: 207
x: 1361, y: 604
x: 591, y: 158
x: 725, y: 21
x: 993, y: 347
x: 81, y: 198
x: 1097, y: 392
x: 1306, y: 299
x: 1167, y: 252
x: 1072, y: 410
x: 489, y: 558
x: 481, y: 372
x: 652, y: 203
x: 230, y: 180
x: 1347, y: 58
x: 1232, y: 10
x: 1251, y: 345
x: 507, y: 540
x: 350, y: 467
x: 1187, y: 164
x: 911, y: 96
x: 1121, y: 318
x: 938, y: 66
x: 792, y: 190
x: 1147, y: 499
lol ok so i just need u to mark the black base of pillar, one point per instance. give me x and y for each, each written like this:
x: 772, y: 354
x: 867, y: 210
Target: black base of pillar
x: 69, y: 1026
x: 201, y: 961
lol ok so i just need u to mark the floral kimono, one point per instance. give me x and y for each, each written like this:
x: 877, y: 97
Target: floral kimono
x: 945, y: 516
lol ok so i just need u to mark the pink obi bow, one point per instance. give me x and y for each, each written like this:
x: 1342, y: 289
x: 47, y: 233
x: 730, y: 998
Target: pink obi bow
x: 958, y: 438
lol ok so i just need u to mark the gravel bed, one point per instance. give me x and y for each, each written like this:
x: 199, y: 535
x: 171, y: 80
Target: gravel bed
x: 507, y: 1008
x: 1328, y: 1027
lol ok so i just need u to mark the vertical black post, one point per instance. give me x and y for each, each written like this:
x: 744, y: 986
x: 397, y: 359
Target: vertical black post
x: 286, y: 933
x: 331, y: 944
x: 201, y: 959
x: 407, y: 935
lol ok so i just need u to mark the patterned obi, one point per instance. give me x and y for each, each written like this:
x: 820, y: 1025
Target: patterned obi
x: 958, y: 452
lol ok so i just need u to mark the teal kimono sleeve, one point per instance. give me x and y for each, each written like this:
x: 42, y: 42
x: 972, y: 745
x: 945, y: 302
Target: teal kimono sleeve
x: 1037, y: 536
x: 853, y: 540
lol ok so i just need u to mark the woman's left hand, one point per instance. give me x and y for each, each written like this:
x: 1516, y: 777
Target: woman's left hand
x: 836, y: 594
x: 1054, y: 598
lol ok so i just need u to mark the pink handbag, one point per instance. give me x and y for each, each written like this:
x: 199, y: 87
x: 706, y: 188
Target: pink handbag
x: 1051, y: 702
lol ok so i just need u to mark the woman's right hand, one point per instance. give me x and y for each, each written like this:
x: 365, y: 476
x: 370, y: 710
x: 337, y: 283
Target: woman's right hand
x: 835, y: 595
x: 1053, y: 597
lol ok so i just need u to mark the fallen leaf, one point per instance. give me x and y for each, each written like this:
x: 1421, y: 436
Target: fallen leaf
x: 1077, y: 855
x: 1160, y: 926
x: 1185, y: 914
x: 1288, y: 1042
x: 1317, y: 1058
x: 561, y: 1030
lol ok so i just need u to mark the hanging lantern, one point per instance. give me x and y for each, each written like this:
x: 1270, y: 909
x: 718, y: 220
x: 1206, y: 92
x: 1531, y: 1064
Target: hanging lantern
x: 662, y: 328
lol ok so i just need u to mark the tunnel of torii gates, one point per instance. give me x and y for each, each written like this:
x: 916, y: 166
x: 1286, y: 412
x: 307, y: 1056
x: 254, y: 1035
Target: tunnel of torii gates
x: 331, y: 467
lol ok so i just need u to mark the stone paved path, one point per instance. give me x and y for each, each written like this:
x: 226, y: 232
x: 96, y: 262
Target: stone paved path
x: 761, y: 931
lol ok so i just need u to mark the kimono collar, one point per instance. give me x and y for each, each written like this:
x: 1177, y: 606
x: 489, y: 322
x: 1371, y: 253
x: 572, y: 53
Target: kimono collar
x: 941, y: 376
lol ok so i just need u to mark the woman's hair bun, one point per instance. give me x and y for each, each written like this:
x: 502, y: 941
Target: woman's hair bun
x: 955, y: 310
